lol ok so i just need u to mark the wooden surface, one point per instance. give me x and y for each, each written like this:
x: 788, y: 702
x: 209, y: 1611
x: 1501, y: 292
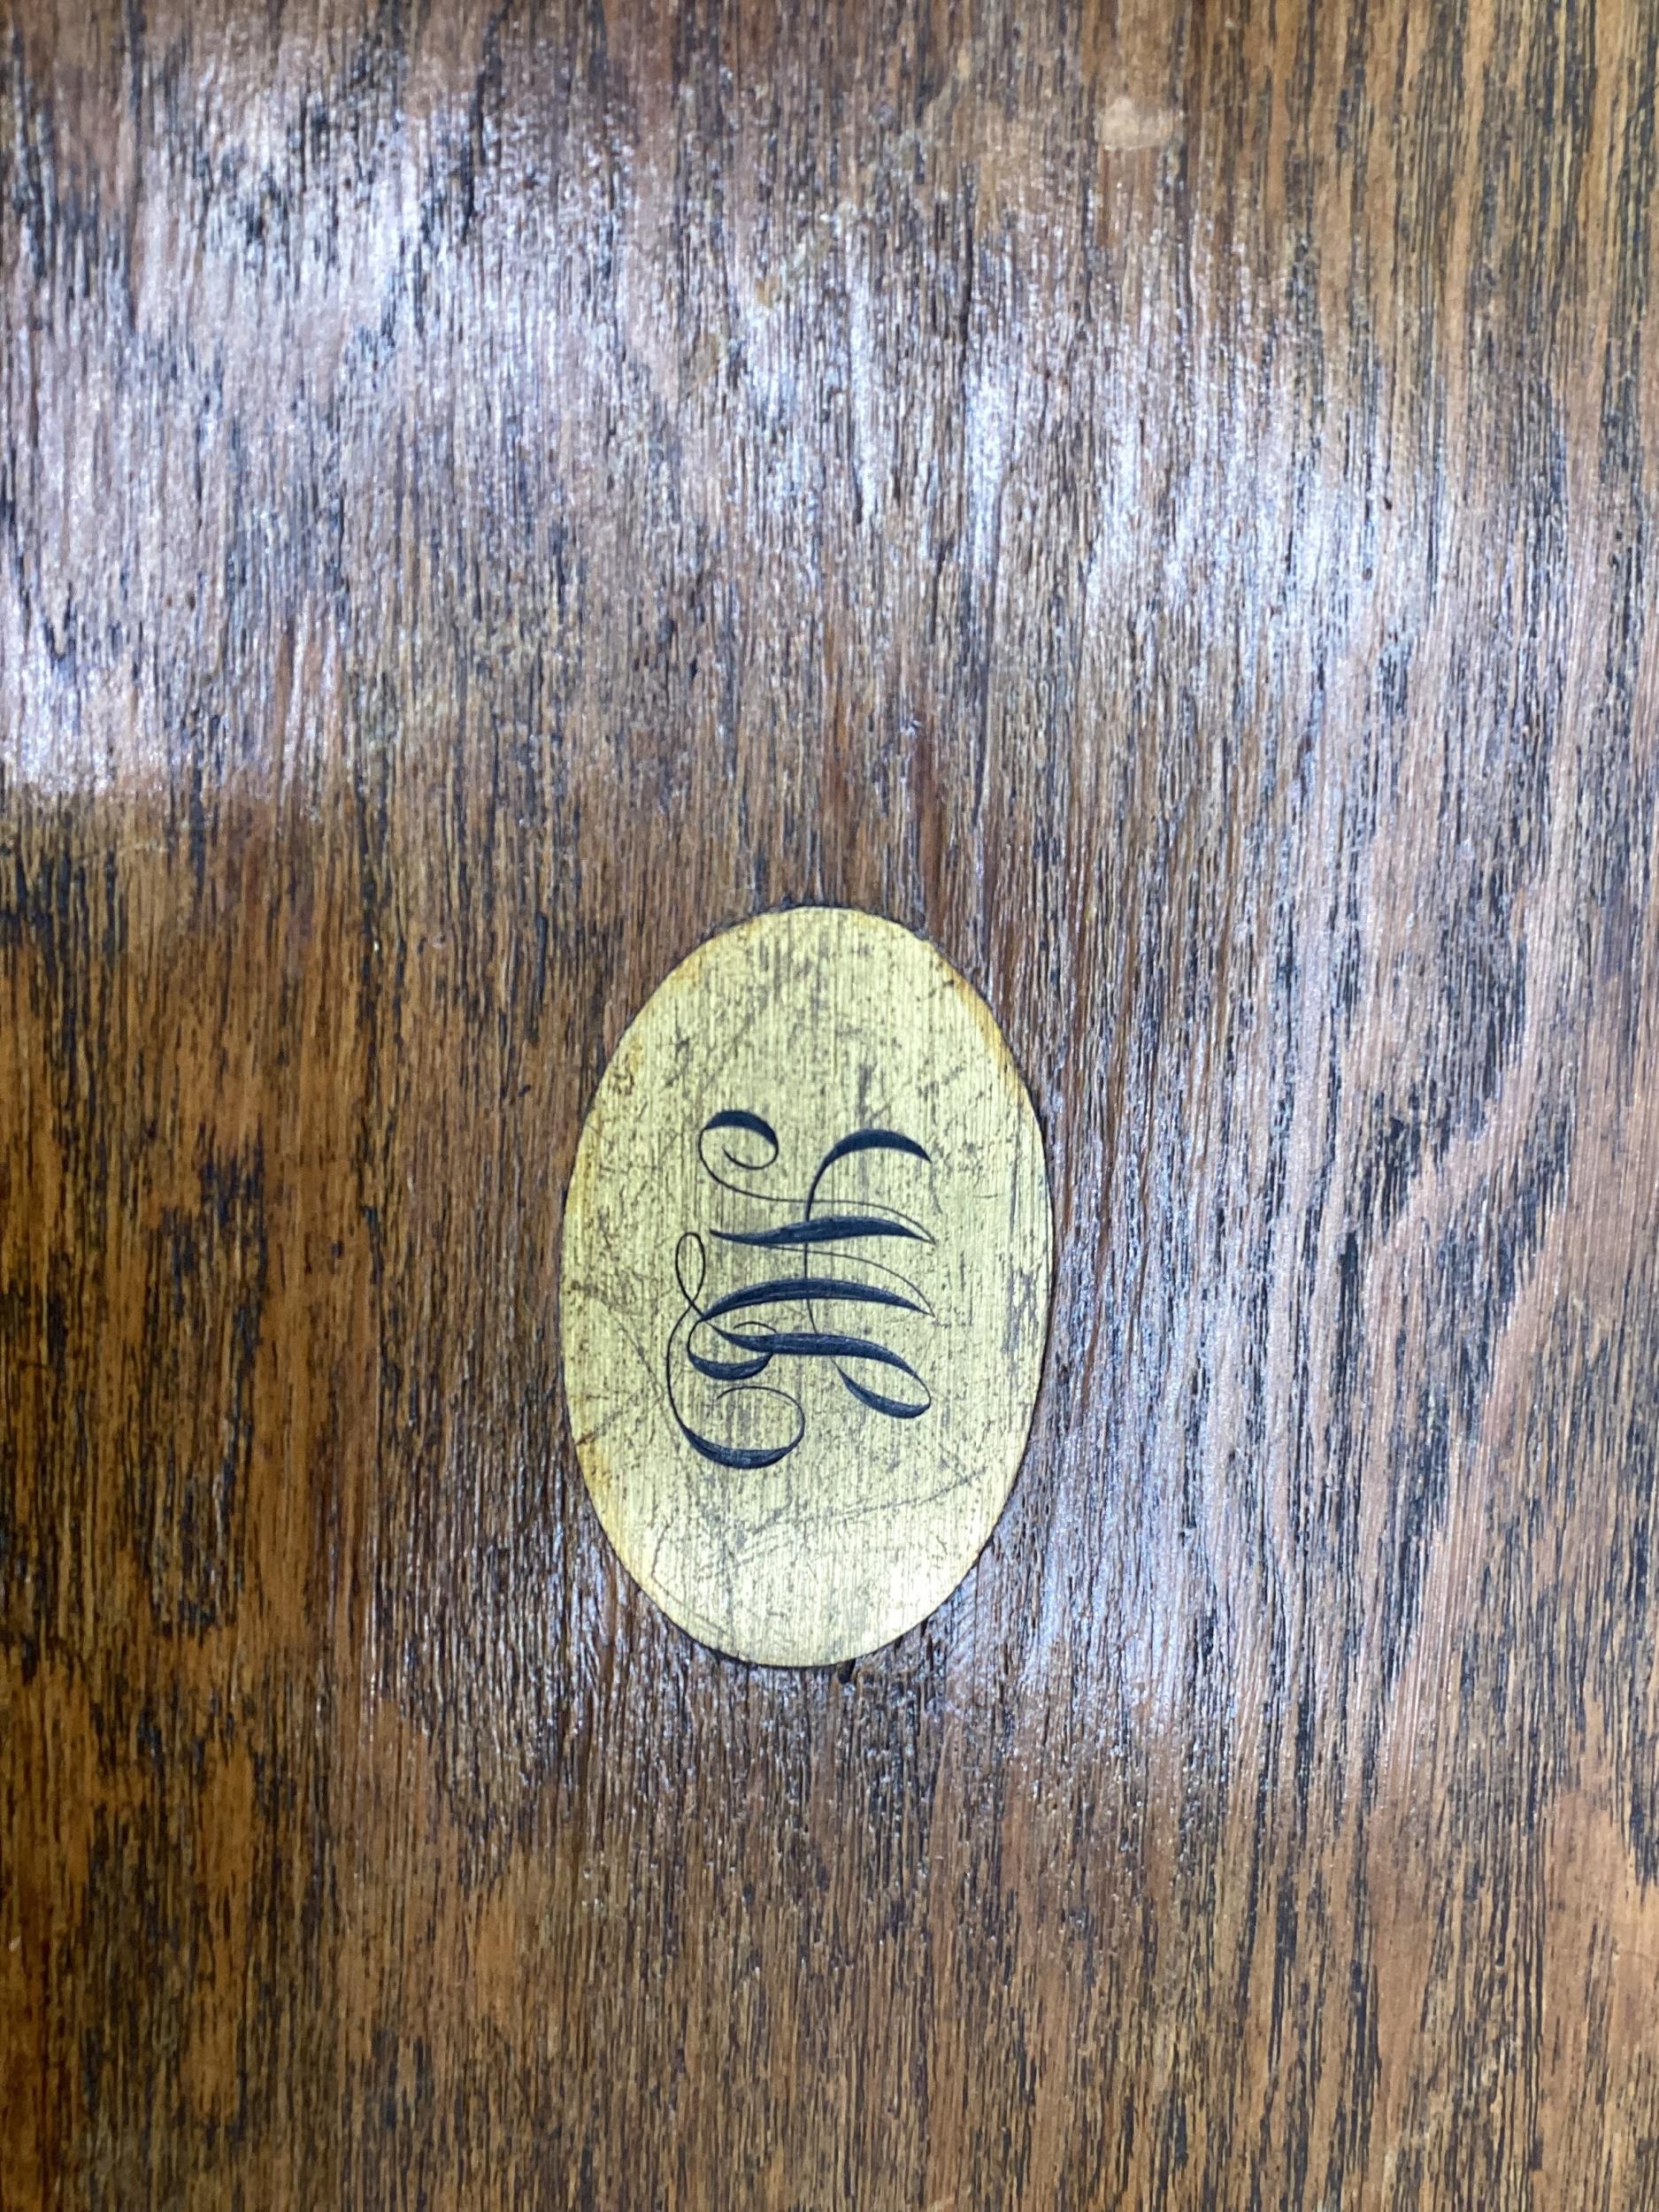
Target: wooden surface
x: 1162, y: 501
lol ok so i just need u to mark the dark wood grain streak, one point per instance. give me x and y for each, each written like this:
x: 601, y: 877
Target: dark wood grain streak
x: 1159, y: 499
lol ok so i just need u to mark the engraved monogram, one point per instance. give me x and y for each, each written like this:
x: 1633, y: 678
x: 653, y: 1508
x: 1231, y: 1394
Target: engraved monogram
x: 803, y: 1334
x: 721, y: 1346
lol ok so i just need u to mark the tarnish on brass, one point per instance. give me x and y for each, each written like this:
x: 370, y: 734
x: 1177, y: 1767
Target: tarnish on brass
x: 804, y: 1287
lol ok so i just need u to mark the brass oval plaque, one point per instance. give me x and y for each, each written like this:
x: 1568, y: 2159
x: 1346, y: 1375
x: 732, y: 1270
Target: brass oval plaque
x: 804, y: 1286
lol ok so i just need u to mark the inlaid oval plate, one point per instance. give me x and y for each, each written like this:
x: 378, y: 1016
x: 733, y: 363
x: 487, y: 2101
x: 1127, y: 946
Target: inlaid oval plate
x: 804, y: 1286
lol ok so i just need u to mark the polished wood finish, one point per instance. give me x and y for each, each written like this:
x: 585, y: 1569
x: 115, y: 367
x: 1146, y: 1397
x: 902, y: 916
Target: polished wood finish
x: 1160, y: 499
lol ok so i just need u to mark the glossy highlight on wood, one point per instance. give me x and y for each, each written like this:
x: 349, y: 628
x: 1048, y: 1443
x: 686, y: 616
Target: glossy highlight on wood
x: 1159, y: 500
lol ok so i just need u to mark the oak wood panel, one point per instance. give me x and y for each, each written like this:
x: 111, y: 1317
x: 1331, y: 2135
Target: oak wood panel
x: 1158, y: 498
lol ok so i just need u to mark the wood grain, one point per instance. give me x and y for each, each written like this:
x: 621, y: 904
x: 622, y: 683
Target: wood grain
x: 1158, y: 499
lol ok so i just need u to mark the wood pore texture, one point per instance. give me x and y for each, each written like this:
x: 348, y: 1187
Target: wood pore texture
x: 1160, y: 499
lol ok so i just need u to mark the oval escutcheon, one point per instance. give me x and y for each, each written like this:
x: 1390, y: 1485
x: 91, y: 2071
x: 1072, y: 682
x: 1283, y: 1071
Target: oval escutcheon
x: 804, y: 1286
